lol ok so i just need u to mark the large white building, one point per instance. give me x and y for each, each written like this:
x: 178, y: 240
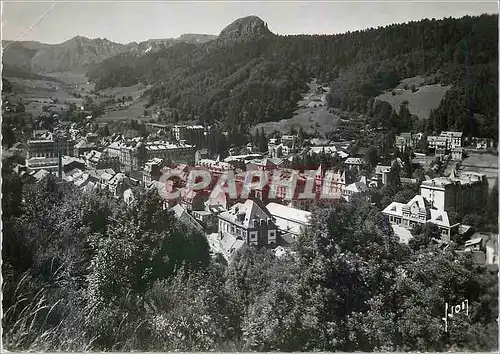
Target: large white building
x: 466, y: 191
x: 133, y: 154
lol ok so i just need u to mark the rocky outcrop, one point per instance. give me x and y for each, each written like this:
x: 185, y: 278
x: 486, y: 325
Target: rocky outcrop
x: 245, y: 28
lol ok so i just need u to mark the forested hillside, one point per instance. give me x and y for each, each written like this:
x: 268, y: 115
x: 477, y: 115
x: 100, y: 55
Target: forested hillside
x: 260, y: 79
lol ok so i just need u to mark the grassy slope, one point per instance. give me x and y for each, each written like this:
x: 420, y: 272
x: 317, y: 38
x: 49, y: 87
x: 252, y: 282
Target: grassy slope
x: 310, y: 119
x: 420, y: 102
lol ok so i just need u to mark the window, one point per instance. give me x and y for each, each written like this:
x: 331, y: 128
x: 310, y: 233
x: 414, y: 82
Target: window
x: 253, y: 238
x: 271, y: 236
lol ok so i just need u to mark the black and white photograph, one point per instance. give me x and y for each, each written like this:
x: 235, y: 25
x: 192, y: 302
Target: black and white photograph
x: 249, y: 176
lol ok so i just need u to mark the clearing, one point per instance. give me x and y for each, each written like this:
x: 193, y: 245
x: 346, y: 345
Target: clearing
x: 420, y: 102
x: 135, y: 109
x: 135, y: 91
x: 312, y: 115
x: 38, y: 93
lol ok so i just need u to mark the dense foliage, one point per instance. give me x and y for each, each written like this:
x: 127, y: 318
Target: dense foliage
x: 246, y: 82
x: 88, y: 272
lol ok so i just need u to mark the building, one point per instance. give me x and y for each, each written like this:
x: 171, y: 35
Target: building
x: 101, y: 160
x: 354, y: 163
x: 42, y: 134
x: 339, y: 180
x: 405, y: 141
x: 250, y: 222
x: 418, y: 212
x: 225, y: 244
x: 205, y: 218
x: 182, y: 214
x: 193, y: 200
x: 135, y: 153
x: 178, y: 153
x: 155, y: 127
x: 215, y: 166
x: 468, y: 191
x: 201, y: 154
x: 382, y: 174
x: 132, y: 156
x: 83, y: 147
x: 265, y: 164
x: 42, y: 163
x: 446, y: 142
x: 274, y: 149
x: 41, y: 148
x: 457, y: 154
x: 152, y: 170
x: 483, y: 247
x: 454, y: 139
x: 51, y: 164
x: 243, y: 158
x: 289, y: 144
x: 197, y: 135
x: 49, y: 146
x: 91, y: 137
x: 289, y: 220
x: 438, y: 143
x: 482, y: 143
x: 118, y: 184
x: 403, y: 233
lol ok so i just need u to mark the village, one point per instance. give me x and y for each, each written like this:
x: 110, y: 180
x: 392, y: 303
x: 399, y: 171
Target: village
x: 265, y: 210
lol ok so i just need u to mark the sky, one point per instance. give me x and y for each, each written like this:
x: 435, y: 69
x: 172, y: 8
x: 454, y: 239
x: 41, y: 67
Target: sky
x: 127, y: 21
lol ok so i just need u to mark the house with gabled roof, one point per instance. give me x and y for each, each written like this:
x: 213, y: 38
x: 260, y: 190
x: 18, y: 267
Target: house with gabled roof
x: 182, y: 215
x: 250, y: 222
x: 419, y: 212
x: 289, y: 220
x: 356, y: 188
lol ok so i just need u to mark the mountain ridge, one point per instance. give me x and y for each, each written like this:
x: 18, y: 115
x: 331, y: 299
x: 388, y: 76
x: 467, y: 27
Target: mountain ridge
x: 79, y: 52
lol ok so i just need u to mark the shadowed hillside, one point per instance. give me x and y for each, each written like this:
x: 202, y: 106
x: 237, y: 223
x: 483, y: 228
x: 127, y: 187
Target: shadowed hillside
x: 261, y: 79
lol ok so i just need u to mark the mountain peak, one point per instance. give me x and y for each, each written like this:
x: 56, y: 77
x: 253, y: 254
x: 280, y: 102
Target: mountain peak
x: 244, y: 28
x: 78, y: 38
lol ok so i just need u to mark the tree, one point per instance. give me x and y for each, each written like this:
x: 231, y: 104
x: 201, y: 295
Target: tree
x: 492, y: 204
x: 331, y: 254
x: 405, y: 119
x: 163, y: 116
x: 175, y: 116
x: 8, y: 136
x: 20, y: 107
x: 262, y: 142
x: 301, y: 133
x: 371, y: 157
x: 105, y: 130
